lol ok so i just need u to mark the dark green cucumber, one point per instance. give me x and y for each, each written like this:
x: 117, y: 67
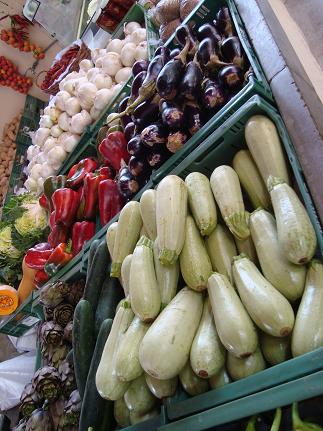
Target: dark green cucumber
x: 97, y: 274
x: 83, y: 342
x: 5, y: 422
x: 96, y: 411
x: 111, y: 294
x: 92, y: 251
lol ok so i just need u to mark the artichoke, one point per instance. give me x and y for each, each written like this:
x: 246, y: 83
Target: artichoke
x: 57, y: 354
x: 51, y: 333
x: 66, y: 372
x: 47, y: 383
x: 53, y: 294
x: 75, y: 292
x: 40, y: 420
x: 63, y: 314
x: 56, y: 411
x: 72, y: 408
x: 68, y: 331
x: 29, y: 400
x: 63, y: 425
x: 21, y: 426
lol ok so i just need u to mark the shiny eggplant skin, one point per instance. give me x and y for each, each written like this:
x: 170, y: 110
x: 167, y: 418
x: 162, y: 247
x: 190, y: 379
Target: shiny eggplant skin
x: 154, y: 135
x: 190, y: 86
x: 139, y: 66
x: 169, y: 78
x: 184, y: 33
x: 174, y: 53
x: 130, y: 131
x: 224, y: 22
x: 231, y: 77
x: 209, y: 31
x: 176, y: 140
x: 193, y: 117
x: 138, y: 166
x: 231, y: 51
x: 137, y: 84
x: 122, y: 107
x: 158, y: 156
x: 127, y: 183
x: 164, y: 51
x: 171, y: 114
x: 155, y: 67
x: 135, y: 146
x: 213, y: 95
x: 145, y: 113
x: 208, y: 54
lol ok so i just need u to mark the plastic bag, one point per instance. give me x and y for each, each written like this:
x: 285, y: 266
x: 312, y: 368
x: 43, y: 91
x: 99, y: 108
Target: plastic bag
x: 27, y: 342
x: 14, y: 375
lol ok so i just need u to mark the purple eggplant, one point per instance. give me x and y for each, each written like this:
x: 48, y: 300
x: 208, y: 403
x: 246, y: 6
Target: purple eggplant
x: 174, y: 53
x: 122, y: 107
x: 193, y: 117
x: 130, y: 131
x: 231, y: 51
x: 135, y: 146
x: 176, y: 140
x: 146, y: 113
x: 231, y: 77
x: 184, y: 34
x: 213, y: 95
x: 172, y: 116
x: 139, y: 167
x: 224, y: 22
x: 139, y: 66
x: 153, y: 135
x: 164, y: 51
x: 136, y: 85
x: 208, y: 55
x: 190, y: 86
x: 209, y: 31
x: 158, y: 156
x: 127, y: 183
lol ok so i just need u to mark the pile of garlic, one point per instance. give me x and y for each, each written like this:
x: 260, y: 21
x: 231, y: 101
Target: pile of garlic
x: 82, y: 97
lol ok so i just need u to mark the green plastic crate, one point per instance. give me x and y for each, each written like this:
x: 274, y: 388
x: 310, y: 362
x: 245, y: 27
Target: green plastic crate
x: 297, y: 390
x: 17, y: 177
x: 33, y: 107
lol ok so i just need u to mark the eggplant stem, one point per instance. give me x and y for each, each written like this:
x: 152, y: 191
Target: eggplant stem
x: 183, y: 54
x: 277, y: 420
x: 251, y: 425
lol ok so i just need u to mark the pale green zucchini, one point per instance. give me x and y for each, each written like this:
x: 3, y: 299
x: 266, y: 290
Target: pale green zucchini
x: 167, y: 278
x: 207, y: 352
x: 241, y: 368
x: 265, y: 147
x: 192, y: 384
x: 162, y: 388
x: 121, y: 413
x: 135, y: 418
x: 143, y: 288
x: 148, y: 213
x: 234, y: 326
x: 171, y: 209
x: 166, y: 346
x: 296, y: 234
x: 129, y: 226
x: 201, y: 202
x: 220, y: 379
x: 275, y: 349
x: 308, y: 329
x: 138, y: 397
x: 194, y: 261
x: 267, y: 307
x: 247, y: 247
x: 250, y: 179
x: 221, y: 248
x: 111, y: 236
x: 125, y: 273
x: 227, y: 192
x: 285, y: 276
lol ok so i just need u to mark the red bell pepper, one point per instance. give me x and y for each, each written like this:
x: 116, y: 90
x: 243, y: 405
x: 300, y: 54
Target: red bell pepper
x: 37, y: 256
x: 52, y: 220
x: 110, y: 200
x: 89, y: 200
x: 77, y: 172
x: 82, y: 231
x: 60, y: 256
x: 108, y: 171
x: 66, y: 202
x: 114, y: 149
x: 40, y: 278
x: 58, y: 234
x: 43, y: 202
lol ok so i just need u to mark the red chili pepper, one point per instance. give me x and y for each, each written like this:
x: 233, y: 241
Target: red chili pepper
x: 77, y: 172
x: 58, y: 234
x: 37, y: 256
x: 43, y: 202
x: 60, y: 256
x: 82, y: 231
x: 114, y: 149
x: 65, y: 202
x: 89, y: 200
x: 40, y: 278
x: 110, y: 200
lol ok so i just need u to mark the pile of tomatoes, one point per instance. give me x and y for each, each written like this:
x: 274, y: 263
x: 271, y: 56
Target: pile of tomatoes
x: 10, y: 77
x: 15, y: 39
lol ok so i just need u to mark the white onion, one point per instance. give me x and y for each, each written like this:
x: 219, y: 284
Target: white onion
x: 115, y: 45
x: 127, y: 55
x: 111, y: 63
x: 123, y: 74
